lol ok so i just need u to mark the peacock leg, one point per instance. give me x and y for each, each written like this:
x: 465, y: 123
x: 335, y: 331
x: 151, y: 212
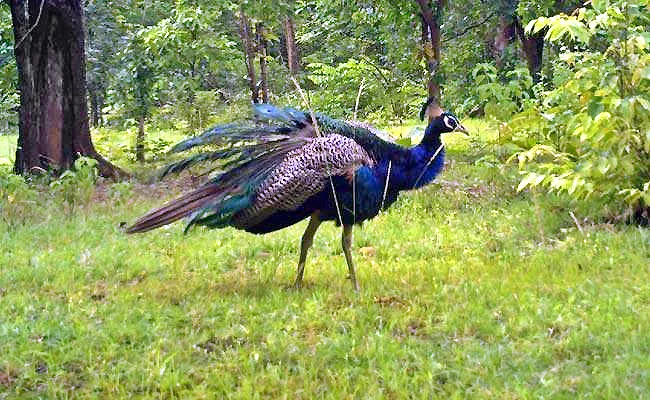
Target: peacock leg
x: 346, y: 240
x: 305, y: 244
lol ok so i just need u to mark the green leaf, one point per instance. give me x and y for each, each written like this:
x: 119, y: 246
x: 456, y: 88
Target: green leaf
x: 643, y: 102
x: 555, y: 33
x: 603, y: 116
x: 535, y: 25
x: 595, y: 107
x: 600, y: 5
x: 532, y: 179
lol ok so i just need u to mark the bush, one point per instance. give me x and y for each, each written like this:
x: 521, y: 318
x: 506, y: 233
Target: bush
x: 76, y: 186
x: 590, y: 136
x: 500, y: 94
x: 381, y: 99
x: 16, y: 197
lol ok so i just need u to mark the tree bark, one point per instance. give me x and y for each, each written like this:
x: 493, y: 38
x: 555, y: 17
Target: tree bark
x: 533, y: 46
x: 139, y: 140
x: 505, y: 35
x: 249, y: 54
x: 49, y: 49
x: 261, y: 42
x: 431, y: 42
x: 96, y: 106
x: 291, y: 47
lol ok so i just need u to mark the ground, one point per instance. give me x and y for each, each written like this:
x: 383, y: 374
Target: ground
x: 468, y: 289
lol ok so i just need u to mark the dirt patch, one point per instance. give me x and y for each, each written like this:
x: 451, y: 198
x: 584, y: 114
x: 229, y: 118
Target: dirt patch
x: 164, y: 189
x: 390, y: 301
x: 7, y: 378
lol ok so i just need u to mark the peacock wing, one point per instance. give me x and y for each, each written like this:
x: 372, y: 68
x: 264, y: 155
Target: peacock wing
x: 303, y: 173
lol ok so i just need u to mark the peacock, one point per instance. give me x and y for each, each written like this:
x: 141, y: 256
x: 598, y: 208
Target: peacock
x: 287, y: 165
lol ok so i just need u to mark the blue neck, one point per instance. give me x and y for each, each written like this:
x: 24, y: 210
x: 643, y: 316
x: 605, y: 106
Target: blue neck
x: 427, y: 162
x: 412, y: 168
x: 415, y: 167
x: 427, y: 158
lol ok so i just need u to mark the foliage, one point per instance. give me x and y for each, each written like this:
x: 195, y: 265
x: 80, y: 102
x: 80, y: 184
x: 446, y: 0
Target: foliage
x: 593, y: 129
x: 500, y: 93
x: 181, y: 63
x: 530, y: 10
x: 339, y: 86
x: 468, y: 32
x: 77, y: 185
x: 167, y: 54
x: 118, y: 145
x: 9, y: 99
x: 16, y: 197
x: 24, y: 199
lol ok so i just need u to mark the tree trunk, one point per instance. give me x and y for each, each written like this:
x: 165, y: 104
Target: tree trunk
x: 289, y: 35
x: 139, y: 140
x: 96, y: 106
x: 249, y: 54
x: 53, y: 130
x: 261, y: 42
x: 431, y: 42
x: 505, y: 35
x: 533, y: 50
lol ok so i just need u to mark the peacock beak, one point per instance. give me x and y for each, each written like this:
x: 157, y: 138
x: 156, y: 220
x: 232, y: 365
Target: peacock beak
x: 462, y: 129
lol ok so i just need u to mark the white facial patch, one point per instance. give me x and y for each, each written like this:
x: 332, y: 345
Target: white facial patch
x: 450, y: 123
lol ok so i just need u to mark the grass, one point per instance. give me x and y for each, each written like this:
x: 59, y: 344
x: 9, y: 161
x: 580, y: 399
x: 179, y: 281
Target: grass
x: 468, y: 289
x: 7, y: 149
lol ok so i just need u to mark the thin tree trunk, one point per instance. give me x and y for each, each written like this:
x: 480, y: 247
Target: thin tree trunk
x: 139, y: 140
x: 49, y: 51
x: 431, y: 46
x: 96, y: 106
x: 94, y: 115
x: 291, y: 47
x: 261, y: 42
x: 249, y: 54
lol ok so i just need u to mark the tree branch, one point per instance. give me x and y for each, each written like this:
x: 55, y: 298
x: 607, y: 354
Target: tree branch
x: 38, y: 18
x: 470, y: 27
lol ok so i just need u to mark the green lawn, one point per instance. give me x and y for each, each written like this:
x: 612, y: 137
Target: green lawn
x: 468, y: 289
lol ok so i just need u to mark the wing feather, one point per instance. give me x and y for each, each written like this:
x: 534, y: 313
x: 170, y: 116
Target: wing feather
x: 302, y: 174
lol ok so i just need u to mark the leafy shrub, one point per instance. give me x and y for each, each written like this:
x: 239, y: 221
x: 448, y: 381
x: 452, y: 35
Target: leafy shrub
x: 381, y: 98
x: 16, y: 197
x: 119, y: 146
x: 339, y: 86
x: 190, y: 113
x: 590, y: 136
x: 76, y: 186
x: 500, y: 94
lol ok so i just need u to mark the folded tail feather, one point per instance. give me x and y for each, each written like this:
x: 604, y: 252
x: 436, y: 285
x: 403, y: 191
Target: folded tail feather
x: 235, y: 155
x: 278, y: 124
x: 225, y: 194
x: 175, y: 209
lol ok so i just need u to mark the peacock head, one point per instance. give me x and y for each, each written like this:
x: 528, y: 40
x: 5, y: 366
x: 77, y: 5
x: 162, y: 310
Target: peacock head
x: 440, y: 121
x: 450, y: 123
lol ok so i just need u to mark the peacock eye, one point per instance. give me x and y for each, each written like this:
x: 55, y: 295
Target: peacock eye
x: 450, y: 123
